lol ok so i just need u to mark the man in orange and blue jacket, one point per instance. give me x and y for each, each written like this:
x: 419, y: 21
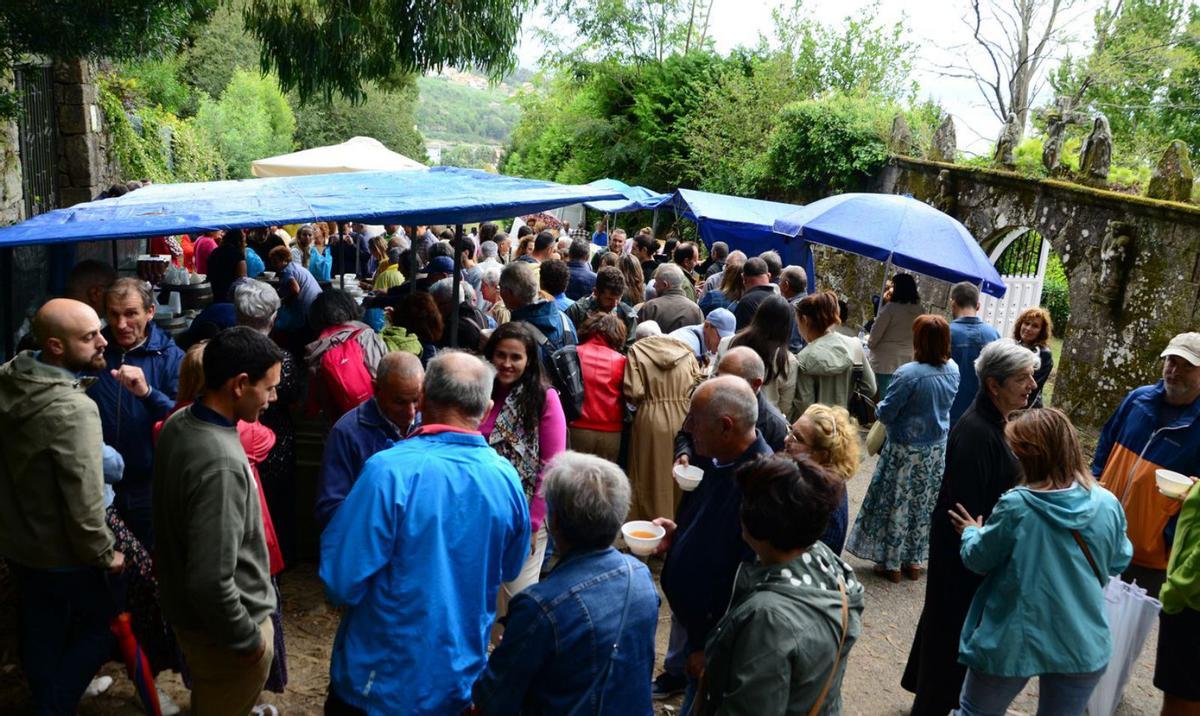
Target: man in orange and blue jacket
x: 1157, y: 426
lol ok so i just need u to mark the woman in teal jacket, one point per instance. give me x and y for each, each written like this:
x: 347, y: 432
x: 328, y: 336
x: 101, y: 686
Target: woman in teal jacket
x: 1047, y: 551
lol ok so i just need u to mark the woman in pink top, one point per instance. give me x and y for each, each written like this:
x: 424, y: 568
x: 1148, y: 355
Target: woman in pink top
x: 527, y: 427
x: 598, y: 429
x: 205, y: 246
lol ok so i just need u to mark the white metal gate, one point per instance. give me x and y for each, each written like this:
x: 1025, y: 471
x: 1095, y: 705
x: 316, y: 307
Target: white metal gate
x: 1020, y: 258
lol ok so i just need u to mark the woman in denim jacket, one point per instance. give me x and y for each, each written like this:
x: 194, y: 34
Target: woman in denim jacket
x: 892, y: 528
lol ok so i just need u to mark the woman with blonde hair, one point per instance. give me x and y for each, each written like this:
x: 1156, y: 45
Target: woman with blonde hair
x: 1033, y: 330
x: 827, y: 435
x: 1056, y: 533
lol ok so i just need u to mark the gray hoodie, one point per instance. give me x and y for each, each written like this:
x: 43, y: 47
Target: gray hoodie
x: 51, y: 469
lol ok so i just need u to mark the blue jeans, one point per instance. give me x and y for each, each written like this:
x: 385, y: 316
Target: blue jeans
x: 64, y: 633
x: 1058, y: 694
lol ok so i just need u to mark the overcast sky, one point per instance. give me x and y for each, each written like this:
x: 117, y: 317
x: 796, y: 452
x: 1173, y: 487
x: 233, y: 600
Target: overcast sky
x: 935, y: 25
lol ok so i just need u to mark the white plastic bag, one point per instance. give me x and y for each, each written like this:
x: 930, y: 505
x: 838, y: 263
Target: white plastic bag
x: 1131, y: 615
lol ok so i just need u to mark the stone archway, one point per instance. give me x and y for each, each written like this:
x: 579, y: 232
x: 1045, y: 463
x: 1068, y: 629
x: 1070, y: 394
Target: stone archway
x: 1132, y: 263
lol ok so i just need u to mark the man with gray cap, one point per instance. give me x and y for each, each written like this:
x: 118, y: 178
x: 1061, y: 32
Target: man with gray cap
x: 703, y: 339
x: 1156, y: 427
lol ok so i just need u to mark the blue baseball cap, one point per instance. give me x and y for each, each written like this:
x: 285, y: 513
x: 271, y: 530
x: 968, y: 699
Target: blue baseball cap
x: 441, y: 264
x: 722, y: 320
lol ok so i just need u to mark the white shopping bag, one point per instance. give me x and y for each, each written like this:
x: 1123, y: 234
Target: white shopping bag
x: 1131, y: 614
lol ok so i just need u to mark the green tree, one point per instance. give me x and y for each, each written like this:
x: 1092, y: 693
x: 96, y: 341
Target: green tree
x: 387, y: 115
x: 1143, y: 73
x: 319, y: 49
x: 251, y: 120
x: 627, y: 30
x: 217, y: 49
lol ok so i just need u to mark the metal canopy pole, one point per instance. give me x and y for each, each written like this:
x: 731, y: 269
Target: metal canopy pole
x: 412, y: 254
x: 454, y: 302
x: 6, y: 270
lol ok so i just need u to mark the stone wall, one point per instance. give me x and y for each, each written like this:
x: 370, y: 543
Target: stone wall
x: 12, y: 197
x: 85, y: 168
x: 1133, y: 265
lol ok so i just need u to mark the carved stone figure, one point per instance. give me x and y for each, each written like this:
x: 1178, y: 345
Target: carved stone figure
x: 1010, y: 136
x: 1116, y: 254
x: 1095, y: 156
x: 945, y: 143
x: 1057, y: 121
x: 1173, y: 177
x: 901, y: 141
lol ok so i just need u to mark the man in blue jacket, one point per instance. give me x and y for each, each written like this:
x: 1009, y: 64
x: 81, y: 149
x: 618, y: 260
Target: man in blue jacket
x: 968, y: 335
x: 519, y: 289
x: 704, y: 547
x: 387, y: 418
x: 417, y: 553
x: 583, y: 279
x: 135, y: 391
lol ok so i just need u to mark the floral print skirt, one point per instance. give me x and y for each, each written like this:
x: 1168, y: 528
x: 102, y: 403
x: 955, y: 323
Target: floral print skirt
x: 892, y: 528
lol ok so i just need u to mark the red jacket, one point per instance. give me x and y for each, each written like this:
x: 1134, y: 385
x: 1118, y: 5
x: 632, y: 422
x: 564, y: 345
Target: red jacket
x: 603, y: 372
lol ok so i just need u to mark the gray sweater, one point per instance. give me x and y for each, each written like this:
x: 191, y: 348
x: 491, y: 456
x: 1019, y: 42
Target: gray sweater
x: 211, y: 550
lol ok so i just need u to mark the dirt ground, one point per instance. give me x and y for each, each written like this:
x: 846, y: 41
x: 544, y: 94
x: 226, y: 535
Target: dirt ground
x: 871, y: 687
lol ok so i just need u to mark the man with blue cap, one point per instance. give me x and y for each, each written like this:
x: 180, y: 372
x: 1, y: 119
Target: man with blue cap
x: 703, y: 339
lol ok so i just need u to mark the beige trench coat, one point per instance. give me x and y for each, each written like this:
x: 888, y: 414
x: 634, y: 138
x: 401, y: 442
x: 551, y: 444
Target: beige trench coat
x: 660, y: 374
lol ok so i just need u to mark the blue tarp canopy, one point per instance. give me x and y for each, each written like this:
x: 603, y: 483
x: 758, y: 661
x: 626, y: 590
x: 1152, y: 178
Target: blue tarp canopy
x: 745, y: 224
x: 908, y: 233
x: 637, y: 198
x: 441, y: 195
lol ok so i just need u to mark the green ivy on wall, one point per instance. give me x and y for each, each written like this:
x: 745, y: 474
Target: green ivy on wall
x: 187, y: 155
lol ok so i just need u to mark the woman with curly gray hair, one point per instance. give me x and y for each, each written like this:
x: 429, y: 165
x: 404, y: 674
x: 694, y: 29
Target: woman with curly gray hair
x: 980, y: 468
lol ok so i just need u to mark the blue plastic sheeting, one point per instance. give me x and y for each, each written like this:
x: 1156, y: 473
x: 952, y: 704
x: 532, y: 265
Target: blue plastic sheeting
x: 441, y: 195
x: 637, y: 198
x: 887, y: 227
x: 745, y: 224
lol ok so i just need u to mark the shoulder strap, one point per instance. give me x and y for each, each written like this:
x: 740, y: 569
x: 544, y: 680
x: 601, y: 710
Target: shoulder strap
x: 1088, y: 553
x: 820, y: 702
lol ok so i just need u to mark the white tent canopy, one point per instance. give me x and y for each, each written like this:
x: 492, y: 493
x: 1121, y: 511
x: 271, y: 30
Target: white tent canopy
x: 360, y: 154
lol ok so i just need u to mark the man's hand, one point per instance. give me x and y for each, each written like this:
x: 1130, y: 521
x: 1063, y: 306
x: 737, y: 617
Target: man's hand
x: 253, y: 657
x: 695, y: 664
x: 117, y: 564
x: 669, y: 526
x: 132, y: 379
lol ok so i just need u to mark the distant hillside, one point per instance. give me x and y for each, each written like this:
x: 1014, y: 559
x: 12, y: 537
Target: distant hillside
x: 462, y: 108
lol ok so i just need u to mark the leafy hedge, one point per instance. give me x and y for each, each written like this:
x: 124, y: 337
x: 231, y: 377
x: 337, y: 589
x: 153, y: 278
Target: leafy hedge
x: 189, y: 154
x: 1056, y: 295
x: 827, y: 146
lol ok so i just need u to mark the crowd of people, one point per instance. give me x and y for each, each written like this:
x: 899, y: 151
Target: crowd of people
x: 489, y: 434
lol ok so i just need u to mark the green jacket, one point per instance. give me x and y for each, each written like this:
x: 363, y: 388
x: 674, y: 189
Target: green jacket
x: 825, y: 373
x: 51, y: 470
x: 773, y: 650
x: 1182, y: 588
x: 210, y: 544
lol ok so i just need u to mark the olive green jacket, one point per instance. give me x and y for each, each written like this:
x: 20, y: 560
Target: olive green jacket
x: 51, y: 469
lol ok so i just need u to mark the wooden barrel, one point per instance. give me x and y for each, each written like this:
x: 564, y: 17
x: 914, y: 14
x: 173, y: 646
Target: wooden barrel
x: 192, y: 297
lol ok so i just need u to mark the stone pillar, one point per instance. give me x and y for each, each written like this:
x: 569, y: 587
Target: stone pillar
x: 84, y: 168
x: 12, y: 194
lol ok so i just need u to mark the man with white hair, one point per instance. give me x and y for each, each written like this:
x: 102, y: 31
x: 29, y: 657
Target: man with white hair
x: 704, y: 544
x: 595, y: 605
x: 471, y: 321
x: 417, y: 553
x: 672, y: 309
x: 489, y: 300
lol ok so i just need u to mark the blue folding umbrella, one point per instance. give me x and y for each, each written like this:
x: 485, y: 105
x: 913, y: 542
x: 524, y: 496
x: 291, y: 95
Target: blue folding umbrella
x: 896, y: 229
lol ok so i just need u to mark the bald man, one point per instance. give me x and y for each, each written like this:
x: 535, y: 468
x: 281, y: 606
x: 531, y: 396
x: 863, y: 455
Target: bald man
x: 52, y: 528
x: 704, y: 544
x: 384, y: 420
x: 744, y: 363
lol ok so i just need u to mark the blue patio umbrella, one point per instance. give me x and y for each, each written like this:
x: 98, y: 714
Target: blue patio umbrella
x: 896, y: 229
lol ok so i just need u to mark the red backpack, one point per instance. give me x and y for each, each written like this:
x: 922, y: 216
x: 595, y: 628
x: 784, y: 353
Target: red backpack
x: 347, y: 382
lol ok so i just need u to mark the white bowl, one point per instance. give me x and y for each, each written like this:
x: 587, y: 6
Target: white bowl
x: 688, y: 476
x: 642, y: 546
x: 1172, y: 484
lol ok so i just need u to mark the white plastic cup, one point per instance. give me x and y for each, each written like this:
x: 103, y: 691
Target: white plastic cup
x: 688, y: 477
x: 642, y: 546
